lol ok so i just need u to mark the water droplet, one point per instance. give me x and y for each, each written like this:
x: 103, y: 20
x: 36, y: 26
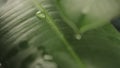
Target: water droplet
x: 78, y: 36
x: 40, y: 14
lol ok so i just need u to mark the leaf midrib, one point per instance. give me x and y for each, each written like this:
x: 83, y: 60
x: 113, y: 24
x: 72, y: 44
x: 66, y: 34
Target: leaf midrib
x: 58, y: 32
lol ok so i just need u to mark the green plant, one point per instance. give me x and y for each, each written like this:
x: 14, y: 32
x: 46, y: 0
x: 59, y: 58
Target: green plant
x: 59, y: 34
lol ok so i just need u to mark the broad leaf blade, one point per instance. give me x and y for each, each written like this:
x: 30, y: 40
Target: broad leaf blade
x: 20, y: 24
x: 89, y: 14
x: 23, y: 36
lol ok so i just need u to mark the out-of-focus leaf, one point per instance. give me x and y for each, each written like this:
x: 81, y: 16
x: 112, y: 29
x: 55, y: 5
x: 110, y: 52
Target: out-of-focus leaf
x: 88, y: 14
x: 26, y: 39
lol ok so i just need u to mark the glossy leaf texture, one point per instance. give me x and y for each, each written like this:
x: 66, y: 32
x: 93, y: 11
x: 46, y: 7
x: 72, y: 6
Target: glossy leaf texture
x: 35, y: 34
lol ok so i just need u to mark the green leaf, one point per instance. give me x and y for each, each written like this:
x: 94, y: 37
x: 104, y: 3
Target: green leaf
x: 20, y: 24
x: 36, y: 34
x: 88, y: 14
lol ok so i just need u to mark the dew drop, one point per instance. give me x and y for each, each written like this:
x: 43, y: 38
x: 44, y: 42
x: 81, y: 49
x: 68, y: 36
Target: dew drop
x: 78, y: 36
x: 40, y: 14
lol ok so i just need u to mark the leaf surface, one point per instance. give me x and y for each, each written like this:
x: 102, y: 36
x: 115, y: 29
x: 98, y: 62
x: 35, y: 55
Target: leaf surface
x: 26, y: 38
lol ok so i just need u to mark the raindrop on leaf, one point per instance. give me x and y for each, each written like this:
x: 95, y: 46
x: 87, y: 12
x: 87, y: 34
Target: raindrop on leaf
x: 41, y: 15
x: 78, y: 36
